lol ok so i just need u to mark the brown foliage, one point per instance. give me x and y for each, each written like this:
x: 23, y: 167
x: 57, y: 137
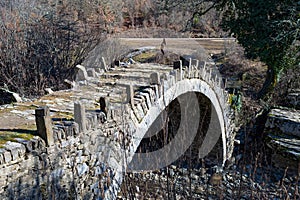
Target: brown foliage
x: 41, y: 49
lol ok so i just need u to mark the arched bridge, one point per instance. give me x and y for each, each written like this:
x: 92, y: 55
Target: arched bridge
x: 84, y: 153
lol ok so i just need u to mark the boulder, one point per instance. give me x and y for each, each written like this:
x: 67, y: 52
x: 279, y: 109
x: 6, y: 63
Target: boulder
x: 81, y: 74
x: 284, y: 121
x: 282, y: 130
x: 7, y: 97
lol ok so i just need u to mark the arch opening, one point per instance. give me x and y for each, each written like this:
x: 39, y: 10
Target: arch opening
x: 204, y: 148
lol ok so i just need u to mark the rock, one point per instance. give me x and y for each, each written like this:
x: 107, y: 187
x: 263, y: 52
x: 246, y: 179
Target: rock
x: 283, y: 137
x: 81, y: 74
x: 171, y: 172
x: 82, y: 169
x: 7, y: 97
x: 293, y: 99
x: 91, y: 72
x: 137, y: 188
x: 194, y: 176
x: 199, y: 189
x: 155, y: 78
x: 48, y: 91
x: 202, y: 171
x: 216, y: 179
x: 70, y: 84
x: 237, y: 142
x: 283, y: 121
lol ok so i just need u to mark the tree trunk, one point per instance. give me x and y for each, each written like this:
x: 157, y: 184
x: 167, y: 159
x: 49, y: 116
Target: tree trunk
x: 271, y: 80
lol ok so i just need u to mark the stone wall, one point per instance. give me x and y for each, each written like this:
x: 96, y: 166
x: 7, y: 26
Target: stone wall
x: 75, y: 166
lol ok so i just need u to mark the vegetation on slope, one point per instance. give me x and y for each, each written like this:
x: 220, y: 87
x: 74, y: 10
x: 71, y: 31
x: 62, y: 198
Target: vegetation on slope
x: 42, y: 41
x: 268, y: 30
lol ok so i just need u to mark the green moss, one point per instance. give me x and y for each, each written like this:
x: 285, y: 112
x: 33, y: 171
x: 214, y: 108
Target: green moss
x: 144, y: 57
x: 11, y: 135
x: 63, y: 115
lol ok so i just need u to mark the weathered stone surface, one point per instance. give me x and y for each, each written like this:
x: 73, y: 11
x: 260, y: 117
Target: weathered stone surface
x: 129, y: 94
x: 283, y: 136
x: 154, y: 78
x: 103, y: 64
x: 49, y: 91
x: 44, y: 125
x: 79, y: 116
x: 81, y: 74
x: 16, y: 149
x: 82, y: 169
x: 284, y: 121
x: 289, y: 146
x: 75, y: 158
x: 91, y: 72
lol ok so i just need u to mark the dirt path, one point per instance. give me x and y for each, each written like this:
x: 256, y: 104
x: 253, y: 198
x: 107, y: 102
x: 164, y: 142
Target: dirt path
x: 184, y: 45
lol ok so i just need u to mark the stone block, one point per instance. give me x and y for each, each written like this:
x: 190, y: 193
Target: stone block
x: 154, y: 78
x: 27, y: 163
x: 79, y: 116
x: 140, y: 110
x: 103, y: 64
x: 129, y: 94
x: 81, y: 74
x: 181, y: 73
x: 284, y: 121
x: 165, y: 86
x: 156, y: 95
x: 133, y: 118
x: 15, y: 145
x: 44, y: 125
x: 91, y: 72
x: 10, y: 170
x: 174, y: 73
x: 171, y: 80
x: 177, y: 64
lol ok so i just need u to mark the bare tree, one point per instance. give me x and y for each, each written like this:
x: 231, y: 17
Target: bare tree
x: 42, y: 42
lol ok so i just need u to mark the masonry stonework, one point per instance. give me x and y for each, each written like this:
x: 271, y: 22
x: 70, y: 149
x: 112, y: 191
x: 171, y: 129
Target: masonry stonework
x: 88, y: 156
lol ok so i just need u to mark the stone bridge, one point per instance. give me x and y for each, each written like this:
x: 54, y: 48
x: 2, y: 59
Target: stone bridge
x: 87, y: 136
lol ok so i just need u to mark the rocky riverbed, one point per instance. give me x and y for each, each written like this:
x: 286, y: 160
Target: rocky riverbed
x: 245, y: 182
x: 252, y: 173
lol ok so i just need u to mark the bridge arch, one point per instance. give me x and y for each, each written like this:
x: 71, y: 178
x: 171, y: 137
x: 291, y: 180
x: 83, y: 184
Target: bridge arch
x: 217, y: 127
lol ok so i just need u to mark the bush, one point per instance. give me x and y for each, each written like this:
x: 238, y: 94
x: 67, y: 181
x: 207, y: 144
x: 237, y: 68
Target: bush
x: 40, y: 49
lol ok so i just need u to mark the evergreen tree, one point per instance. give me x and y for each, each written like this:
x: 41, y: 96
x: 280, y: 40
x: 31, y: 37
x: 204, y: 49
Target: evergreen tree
x: 268, y: 30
